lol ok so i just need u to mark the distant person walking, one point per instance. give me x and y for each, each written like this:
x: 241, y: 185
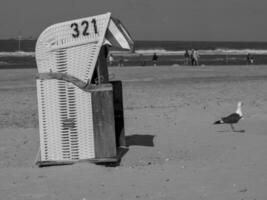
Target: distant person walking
x: 142, y: 59
x: 194, y: 57
x: 121, y: 62
x: 186, y: 57
x: 155, y: 59
x: 111, y: 59
x: 250, y: 59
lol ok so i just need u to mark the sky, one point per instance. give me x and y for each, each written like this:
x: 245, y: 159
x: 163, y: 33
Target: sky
x: 182, y: 20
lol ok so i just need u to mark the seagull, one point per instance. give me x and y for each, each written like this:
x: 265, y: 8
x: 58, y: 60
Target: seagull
x: 232, y: 118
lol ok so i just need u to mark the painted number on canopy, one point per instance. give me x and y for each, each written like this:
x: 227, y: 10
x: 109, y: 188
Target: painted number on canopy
x: 83, y: 28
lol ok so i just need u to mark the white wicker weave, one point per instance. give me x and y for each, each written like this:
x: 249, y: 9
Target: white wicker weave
x: 72, y: 47
x: 65, y: 121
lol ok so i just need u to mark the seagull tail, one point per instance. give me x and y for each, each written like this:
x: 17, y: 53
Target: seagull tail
x: 218, y: 122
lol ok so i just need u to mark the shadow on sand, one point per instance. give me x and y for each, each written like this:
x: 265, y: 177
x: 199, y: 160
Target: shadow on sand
x: 131, y: 140
x: 230, y: 131
x: 140, y: 140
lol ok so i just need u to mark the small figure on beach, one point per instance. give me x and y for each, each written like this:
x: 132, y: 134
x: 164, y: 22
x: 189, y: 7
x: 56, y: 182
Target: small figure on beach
x: 186, y: 57
x: 121, y: 61
x: 142, y: 59
x: 250, y: 59
x: 110, y: 59
x: 155, y: 59
x: 194, y: 57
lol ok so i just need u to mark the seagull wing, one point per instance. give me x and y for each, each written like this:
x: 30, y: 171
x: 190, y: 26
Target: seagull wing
x: 231, y: 119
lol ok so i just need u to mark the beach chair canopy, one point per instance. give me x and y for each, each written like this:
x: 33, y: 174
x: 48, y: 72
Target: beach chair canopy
x: 118, y: 36
x: 73, y: 47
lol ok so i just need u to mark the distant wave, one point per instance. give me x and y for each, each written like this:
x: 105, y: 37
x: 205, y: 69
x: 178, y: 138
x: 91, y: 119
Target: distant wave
x: 159, y: 52
x: 17, y: 54
x: 4, y: 63
x: 204, y: 52
x: 234, y: 51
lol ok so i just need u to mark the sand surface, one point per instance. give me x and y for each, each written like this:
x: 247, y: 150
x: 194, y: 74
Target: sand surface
x: 175, y: 152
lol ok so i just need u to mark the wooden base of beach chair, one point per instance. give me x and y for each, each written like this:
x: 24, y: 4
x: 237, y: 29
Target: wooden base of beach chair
x: 104, y: 161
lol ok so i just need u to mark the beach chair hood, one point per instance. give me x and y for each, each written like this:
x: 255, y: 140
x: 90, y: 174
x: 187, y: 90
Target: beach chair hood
x: 117, y: 36
x: 73, y: 47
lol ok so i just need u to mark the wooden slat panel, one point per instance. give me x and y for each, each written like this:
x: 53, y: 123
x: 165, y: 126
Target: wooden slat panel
x: 104, y: 123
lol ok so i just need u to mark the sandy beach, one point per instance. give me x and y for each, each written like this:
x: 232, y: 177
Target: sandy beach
x: 175, y: 151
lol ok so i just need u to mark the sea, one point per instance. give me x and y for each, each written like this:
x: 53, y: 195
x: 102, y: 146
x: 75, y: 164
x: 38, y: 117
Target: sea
x: 21, y: 54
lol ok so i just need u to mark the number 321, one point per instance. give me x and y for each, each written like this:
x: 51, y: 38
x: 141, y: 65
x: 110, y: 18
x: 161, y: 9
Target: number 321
x: 84, y: 26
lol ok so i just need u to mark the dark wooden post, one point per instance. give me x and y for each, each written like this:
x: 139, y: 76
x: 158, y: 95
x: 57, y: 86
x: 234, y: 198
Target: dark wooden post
x: 102, y: 67
x: 118, y: 113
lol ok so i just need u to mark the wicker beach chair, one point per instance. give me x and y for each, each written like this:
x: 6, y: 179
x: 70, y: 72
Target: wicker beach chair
x: 72, y: 119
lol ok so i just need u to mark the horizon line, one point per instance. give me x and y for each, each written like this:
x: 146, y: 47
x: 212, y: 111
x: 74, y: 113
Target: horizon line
x: 143, y: 40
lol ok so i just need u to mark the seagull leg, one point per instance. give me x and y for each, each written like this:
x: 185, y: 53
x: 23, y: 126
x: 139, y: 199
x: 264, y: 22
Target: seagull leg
x: 233, y: 128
